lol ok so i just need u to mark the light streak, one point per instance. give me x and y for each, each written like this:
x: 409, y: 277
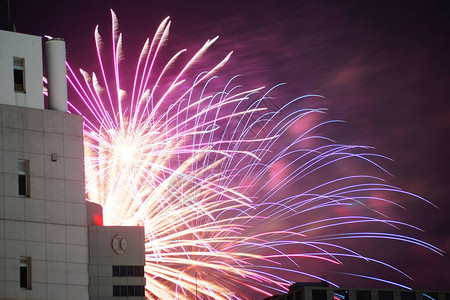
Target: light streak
x: 193, y: 167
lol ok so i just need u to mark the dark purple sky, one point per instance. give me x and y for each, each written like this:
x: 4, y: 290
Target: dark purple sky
x: 383, y: 66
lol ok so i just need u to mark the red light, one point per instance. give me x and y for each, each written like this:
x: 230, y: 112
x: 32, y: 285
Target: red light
x: 98, y: 220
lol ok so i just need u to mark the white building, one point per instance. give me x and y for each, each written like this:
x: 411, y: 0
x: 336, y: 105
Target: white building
x: 17, y: 50
x: 43, y: 229
x: 44, y: 251
x: 116, y: 262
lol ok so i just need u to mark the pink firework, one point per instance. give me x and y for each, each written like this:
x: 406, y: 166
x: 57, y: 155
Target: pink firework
x: 236, y: 199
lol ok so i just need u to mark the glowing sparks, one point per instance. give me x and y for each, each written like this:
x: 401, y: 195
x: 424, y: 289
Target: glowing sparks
x: 207, y: 174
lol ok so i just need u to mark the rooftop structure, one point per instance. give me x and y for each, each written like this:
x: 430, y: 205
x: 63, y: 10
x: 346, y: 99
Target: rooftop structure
x: 21, y: 70
x: 323, y: 291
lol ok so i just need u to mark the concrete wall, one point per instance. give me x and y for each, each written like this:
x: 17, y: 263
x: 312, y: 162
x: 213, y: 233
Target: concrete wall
x: 50, y: 225
x: 29, y: 48
x: 102, y: 258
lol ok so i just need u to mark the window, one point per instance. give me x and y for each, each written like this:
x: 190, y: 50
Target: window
x: 136, y: 271
x: 25, y: 272
x: 128, y: 290
x: 362, y: 295
x: 341, y: 295
x: 24, y: 178
x: 19, y: 74
x: 385, y: 295
x: 407, y: 296
x: 319, y: 294
x: 430, y: 296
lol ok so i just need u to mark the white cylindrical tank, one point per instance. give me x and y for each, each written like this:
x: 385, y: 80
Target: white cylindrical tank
x: 55, y: 50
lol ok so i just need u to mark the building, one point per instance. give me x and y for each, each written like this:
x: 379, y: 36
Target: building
x: 322, y: 291
x: 47, y: 249
x: 116, y: 262
x: 116, y: 258
x: 43, y: 229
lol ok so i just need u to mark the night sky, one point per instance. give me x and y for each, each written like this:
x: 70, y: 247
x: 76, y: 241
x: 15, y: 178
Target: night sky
x: 382, y: 66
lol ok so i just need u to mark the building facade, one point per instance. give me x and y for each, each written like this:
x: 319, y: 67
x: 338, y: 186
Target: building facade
x: 322, y: 291
x: 52, y: 242
x: 21, y: 70
x: 43, y: 228
x: 116, y: 262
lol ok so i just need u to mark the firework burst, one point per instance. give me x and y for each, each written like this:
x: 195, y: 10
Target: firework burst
x: 207, y: 174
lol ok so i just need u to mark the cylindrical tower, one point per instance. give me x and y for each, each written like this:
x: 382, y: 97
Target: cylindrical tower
x: 55, y: 50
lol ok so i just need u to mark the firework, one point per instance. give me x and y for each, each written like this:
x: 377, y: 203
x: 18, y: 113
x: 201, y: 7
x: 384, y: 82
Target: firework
x: 209, y: 174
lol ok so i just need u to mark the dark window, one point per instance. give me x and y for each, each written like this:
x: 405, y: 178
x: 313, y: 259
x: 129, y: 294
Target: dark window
x: 341, y: 294
x: 407, y: 296
x: 116, y: 290
x: 22, y: 185
x: 385, y: 295
x: 128, y: 290
x: 19, y: 72
x: 430, y: 296
x: 23, y: 277
x: 130, y: 271
x: 25, y: 273
x: 319, y: 294
x: 139, y: 271
x: 122, y: 270
x: 134, y: 271
x: 116, y: 271
x: 362, y: 295
x: 123, y: 290
x: 23, y: 177
x: 140, y: 290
